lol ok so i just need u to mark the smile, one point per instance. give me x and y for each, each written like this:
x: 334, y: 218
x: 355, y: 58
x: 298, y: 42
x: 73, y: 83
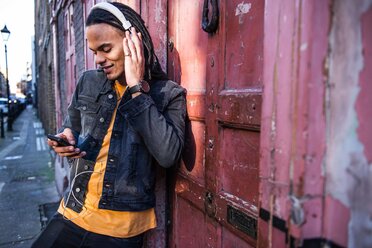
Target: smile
x: 106, y: 69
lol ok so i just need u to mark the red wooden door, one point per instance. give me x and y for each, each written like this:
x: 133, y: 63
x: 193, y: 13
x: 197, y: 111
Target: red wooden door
x: 215, y: 203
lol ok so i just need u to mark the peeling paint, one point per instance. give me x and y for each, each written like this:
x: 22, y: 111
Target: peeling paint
x: 242, y: 9
x: 348, y: 174
x: 303, y: 47
x: 237, y: 199
x: 364, y: 102
x: 285, y: 18
x: 240, y: 166
x: 158, y: 12
x: 192, y: 103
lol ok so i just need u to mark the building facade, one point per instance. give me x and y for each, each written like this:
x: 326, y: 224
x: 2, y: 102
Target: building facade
x: 278, y: 148
x: 44, y: 66
x: 2, y: 85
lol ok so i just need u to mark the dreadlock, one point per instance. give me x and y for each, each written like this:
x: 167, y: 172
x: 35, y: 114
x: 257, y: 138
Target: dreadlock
x: 152, y: 66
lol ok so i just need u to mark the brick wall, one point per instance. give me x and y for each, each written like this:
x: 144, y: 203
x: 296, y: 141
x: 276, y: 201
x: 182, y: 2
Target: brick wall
x: 44, y: 72
x: 61, y: 62
x: 79, y: 38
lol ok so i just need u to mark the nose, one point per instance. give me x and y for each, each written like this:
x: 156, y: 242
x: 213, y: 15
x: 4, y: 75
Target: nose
x: 100, y: 59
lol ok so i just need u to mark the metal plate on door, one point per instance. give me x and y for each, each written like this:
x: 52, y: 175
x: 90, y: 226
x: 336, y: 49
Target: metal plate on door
x: 242, y: 221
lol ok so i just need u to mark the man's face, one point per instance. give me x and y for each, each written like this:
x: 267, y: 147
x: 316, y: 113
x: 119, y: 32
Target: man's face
x: 106, y: 42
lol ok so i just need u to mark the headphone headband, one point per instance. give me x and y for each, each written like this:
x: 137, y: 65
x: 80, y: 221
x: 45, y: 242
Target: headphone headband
x: 115, y: 11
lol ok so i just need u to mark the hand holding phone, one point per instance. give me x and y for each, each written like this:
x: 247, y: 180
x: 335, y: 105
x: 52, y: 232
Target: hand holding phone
x: 59, y: 140
x: 61, y: 144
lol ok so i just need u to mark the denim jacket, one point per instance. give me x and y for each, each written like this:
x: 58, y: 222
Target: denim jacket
x: 148, y: 130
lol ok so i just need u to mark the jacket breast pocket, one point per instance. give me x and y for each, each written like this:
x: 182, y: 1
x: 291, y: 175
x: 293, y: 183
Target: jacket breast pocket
x: 88, y: 110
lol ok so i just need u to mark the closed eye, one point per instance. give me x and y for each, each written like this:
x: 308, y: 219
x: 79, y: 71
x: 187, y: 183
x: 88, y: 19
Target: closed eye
x: 106, y: 49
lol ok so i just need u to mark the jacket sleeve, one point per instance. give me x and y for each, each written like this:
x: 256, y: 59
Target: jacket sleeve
x: 163, y: 133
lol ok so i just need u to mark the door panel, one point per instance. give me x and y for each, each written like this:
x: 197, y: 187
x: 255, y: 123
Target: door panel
x: 243, y: 46
x: 192, y: 230
x: 237, y: 119
x: 231, y: 240
x: 215, y: 203
x: 187, y: 54
x: 237, y: 173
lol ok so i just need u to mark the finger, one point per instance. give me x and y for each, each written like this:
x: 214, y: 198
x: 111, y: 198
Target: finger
x: 63, y: 153
x: 125, y: 45
x: 66, y: 149
x: 139, y: 36
x: 52, y: 143
x: 141, y: 60
x: 138, y: 45
x: 69, y: 154
x: 135, y: 38
x: 67, y: 133
x: 132, y: 48
x: 80, y: 155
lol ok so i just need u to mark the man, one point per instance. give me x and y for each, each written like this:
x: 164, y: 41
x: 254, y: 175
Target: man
x: 125, y: 119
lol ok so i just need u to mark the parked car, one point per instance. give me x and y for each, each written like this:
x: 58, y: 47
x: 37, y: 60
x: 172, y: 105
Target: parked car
x: 4, y: 105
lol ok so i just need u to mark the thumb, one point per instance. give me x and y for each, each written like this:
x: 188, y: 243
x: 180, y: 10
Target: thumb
x: 69, y: 136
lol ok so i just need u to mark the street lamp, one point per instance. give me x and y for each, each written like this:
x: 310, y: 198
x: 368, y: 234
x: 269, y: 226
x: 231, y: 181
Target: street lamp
x: 5, y: 33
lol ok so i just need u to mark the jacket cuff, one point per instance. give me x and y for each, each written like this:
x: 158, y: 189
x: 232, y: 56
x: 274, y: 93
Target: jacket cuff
x: 136, y: 106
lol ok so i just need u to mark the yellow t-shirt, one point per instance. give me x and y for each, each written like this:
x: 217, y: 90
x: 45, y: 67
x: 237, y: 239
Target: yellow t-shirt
x: 120, y: 224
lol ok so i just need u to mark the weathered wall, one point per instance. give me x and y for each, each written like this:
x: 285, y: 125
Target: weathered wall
x: 316, y: 143
x: 79, y: 37
x: 2, y: 85
x: 348, y: 163
x: 44, y: 68
x: 293, y: 121
x: 61, y: 63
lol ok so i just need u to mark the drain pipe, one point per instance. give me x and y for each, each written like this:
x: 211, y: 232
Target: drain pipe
x: 57, y: 91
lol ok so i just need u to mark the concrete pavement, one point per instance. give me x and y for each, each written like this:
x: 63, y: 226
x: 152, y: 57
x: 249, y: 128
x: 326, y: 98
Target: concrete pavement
x: 26, y: 180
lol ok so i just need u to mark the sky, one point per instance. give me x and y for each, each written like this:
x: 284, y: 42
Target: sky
x: 18, y: 16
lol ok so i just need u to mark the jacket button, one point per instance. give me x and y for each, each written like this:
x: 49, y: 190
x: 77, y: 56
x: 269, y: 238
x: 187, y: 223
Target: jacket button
x: 101, y: 119
x: 110, y: 96
x: 84, y: 107
x: 77, y: 190
x: 86, y: 167
x: 73, y: 204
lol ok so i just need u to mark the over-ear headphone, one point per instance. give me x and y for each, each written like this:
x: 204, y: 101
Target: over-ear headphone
x: 115, y: 11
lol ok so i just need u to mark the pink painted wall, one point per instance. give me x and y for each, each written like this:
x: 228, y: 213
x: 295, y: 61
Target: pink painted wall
x: 293, y: 120
x: 364, y: 100
x: 316, y: 140
x: 348, y: 168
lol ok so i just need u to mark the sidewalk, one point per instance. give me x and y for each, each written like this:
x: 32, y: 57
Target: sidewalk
x: 26, y: 180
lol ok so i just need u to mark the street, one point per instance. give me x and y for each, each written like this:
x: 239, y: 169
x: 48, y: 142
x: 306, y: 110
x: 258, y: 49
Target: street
x: 26, y: 181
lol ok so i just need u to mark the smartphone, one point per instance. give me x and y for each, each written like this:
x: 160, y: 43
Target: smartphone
x: 59, y: 140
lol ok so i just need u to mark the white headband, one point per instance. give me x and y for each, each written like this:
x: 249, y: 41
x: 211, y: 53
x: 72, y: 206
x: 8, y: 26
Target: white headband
x: 115, y: 11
